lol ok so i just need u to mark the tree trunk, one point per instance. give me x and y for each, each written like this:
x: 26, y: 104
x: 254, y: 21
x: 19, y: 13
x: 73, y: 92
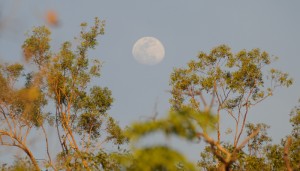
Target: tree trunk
x: 224, y: 167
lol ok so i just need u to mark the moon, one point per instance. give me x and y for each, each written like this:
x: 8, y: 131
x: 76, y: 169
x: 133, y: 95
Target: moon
x: 148, y: 50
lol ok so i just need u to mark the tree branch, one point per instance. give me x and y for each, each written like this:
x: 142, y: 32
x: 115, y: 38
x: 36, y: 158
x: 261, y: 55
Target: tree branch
x: 286, y: 154
x: 253, y: 134
x: 47, y: 147
x: 245, y: 117
x: 213, y: 143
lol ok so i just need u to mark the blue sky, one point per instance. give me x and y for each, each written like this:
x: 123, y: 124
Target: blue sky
x: 185, y: 28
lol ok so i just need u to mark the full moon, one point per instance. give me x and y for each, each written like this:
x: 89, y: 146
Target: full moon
x: 148, y: 50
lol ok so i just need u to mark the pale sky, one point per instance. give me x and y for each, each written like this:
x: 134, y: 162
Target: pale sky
x: 185, y: 28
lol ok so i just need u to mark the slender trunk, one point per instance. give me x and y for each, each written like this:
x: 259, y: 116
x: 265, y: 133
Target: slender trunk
x: 47, y: 147
x: 218, y: 127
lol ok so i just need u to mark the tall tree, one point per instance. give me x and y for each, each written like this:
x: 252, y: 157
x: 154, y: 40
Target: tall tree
x: 229, y: 85
x: 78, y: 109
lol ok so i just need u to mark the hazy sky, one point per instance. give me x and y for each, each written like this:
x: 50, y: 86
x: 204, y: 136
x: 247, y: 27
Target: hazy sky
x: 185, y: 28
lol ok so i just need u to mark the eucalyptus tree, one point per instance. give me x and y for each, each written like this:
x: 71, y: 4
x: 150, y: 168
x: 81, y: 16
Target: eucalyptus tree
x: 59, y: 90
x: 229, y: 85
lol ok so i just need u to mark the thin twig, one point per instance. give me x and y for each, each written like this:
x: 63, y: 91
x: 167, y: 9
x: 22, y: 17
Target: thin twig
x: 47, y: 146
x: 245, y: 116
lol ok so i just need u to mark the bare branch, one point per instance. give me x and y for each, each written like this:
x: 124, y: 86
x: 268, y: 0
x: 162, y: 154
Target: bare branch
x: 213, y: 96
x: 6, y: 119
x: 27, y: 132
x: 253, y: 134
x: 201, y: 97
x: 47, y: 147
x: 231, y: 114
x: 245, y: 116
x: 213, y: 143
